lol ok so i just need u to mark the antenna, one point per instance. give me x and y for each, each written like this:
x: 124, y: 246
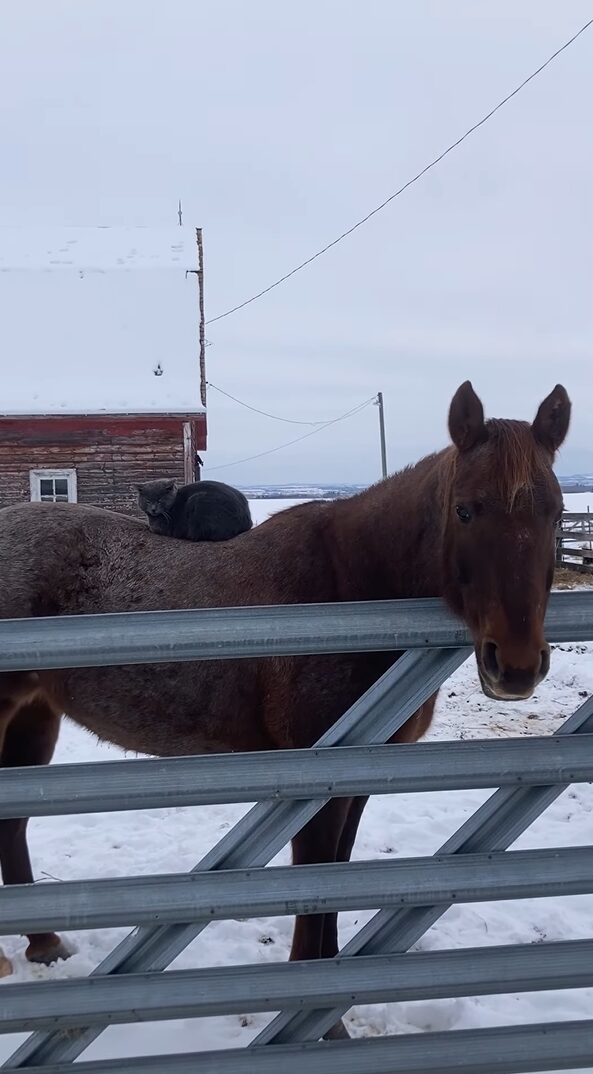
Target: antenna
x: 180, y: 213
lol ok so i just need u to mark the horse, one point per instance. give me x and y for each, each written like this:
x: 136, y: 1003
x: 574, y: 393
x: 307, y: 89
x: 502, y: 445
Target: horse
x: 473, y: 524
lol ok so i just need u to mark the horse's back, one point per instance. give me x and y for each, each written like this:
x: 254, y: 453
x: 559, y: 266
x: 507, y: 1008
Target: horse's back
x: 58, y: 559
x: 68, y: 559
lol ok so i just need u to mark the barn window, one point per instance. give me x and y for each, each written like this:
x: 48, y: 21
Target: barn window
x: 53, y: 486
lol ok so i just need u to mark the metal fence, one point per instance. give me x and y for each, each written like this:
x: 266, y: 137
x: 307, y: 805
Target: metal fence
x: 291, y: 786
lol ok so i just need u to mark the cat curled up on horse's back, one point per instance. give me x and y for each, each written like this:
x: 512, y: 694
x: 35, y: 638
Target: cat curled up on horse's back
x: 201, y: 511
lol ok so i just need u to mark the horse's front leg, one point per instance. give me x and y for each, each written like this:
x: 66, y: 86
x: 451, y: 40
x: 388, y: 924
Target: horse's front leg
x: 317, y: 842
x: 29, y: 738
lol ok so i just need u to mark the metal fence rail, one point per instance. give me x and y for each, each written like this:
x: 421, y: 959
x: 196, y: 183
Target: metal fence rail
x: 291, y: 787
x: 508, y: 1050
x: 288, y: 890
x: 236, y: 989
x: 219, y: 634
x: 107, y: 786
x: 202, y: 993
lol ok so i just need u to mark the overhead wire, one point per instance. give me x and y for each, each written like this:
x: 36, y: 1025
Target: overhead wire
x: 298, y: 439
x: 256, y: 410
x: 409, y: 183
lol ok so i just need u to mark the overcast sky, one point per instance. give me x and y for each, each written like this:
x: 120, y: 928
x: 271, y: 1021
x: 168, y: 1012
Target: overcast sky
x: 279, y: 125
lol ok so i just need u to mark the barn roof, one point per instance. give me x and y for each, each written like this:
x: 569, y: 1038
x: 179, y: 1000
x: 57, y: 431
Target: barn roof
x: 96, y: 249
x: 98, y: 320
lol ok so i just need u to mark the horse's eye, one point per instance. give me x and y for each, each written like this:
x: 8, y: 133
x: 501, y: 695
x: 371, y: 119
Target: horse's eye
x: 463, y: 513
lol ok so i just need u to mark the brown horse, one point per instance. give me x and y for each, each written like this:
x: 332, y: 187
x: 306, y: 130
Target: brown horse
x: 474, y: 524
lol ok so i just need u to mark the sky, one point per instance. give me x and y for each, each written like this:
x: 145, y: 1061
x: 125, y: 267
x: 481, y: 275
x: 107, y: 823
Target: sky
x: 279, y: 126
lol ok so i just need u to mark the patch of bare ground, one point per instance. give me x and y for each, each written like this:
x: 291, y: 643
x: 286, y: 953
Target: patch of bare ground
x: 565, y: 578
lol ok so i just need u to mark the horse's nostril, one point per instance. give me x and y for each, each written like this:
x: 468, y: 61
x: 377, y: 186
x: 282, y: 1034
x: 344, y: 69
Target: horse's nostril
x: 545, y: 663
x: 490, y: 659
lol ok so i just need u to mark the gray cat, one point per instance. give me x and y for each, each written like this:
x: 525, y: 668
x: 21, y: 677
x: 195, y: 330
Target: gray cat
x: 202, y: 511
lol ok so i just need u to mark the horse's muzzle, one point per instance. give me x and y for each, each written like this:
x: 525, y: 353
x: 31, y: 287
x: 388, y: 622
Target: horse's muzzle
x: 505, y: 680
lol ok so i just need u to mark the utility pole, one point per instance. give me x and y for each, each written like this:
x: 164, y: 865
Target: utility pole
x: 202, y: 337
x: 199, y: 272
x: 180, y: 213
x: 382, y: 434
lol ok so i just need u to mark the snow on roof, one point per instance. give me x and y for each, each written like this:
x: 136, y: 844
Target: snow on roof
x: 97, y: 249
x: 83, y: 342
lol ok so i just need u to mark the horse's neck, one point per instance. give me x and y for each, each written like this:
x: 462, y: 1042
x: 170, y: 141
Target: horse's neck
x: 388, y: 540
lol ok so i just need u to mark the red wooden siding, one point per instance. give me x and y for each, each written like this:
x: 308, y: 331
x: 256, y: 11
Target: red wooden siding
x: 109, y: 454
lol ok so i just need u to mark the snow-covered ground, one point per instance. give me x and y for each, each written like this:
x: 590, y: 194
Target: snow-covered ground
x: 263, y: 509
x: 173, y: 840
x: 575, y: 502
x: 578, y: 502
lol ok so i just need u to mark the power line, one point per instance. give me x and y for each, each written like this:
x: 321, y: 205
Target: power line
x: 409, y: 183
x: 264, y: 413
x: 289, y: 443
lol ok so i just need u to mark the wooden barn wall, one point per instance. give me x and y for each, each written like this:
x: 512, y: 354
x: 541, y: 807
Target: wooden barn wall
x: 108, y: 458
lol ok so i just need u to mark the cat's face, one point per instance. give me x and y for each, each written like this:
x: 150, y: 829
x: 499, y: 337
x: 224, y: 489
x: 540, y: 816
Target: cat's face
x: 156, y: 498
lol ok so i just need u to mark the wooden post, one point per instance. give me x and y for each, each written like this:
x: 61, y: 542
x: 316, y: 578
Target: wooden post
x: 559, y: 538
x: 202, y: 317
x: 382, y: 434
x: 189, y: 464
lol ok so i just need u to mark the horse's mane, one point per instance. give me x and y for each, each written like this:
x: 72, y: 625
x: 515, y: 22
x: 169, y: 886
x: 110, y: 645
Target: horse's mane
x: 514, y: 459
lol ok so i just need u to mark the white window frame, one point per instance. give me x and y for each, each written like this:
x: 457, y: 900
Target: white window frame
x: 36, y: 477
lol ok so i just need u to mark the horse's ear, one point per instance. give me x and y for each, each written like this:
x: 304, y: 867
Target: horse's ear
x: 466, y: 419
x: 552, y: 420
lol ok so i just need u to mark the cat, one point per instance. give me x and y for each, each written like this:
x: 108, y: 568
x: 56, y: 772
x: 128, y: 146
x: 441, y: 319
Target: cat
x: 202, y: 511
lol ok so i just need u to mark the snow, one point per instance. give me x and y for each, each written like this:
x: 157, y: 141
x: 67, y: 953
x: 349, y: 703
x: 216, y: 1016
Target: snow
x: 96, y: 249
x: 264, y: 509
x: 173, y: 840
x: 89, y: 344
x: 578, y: 502
x: 574, y: 502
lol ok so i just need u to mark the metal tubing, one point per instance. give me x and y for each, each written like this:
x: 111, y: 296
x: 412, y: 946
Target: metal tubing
x: 288, y: 890
x: 219, y: 634
x: 205, y: 993
x: 504, y: 1050
x: 289, y: 774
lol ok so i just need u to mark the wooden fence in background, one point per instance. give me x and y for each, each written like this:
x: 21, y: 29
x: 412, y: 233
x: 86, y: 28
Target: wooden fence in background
x: 574, y: 542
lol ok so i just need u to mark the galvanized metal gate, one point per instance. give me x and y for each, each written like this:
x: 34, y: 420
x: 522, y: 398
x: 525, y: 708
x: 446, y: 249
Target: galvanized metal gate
x: 291, y: 786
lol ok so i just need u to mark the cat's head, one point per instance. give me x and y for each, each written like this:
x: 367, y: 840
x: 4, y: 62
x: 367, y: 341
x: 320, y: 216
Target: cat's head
x: 157, y: 497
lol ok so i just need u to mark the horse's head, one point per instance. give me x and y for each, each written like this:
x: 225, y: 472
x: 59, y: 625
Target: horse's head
x: 502, y: 504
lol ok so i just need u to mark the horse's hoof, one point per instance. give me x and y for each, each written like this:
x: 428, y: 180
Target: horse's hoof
x: 48, y: 951
x: 337, y: 1032
x: 5, y: 965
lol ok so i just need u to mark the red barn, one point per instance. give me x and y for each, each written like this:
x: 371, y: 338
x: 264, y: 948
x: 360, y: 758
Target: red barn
x: 104, y: 380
